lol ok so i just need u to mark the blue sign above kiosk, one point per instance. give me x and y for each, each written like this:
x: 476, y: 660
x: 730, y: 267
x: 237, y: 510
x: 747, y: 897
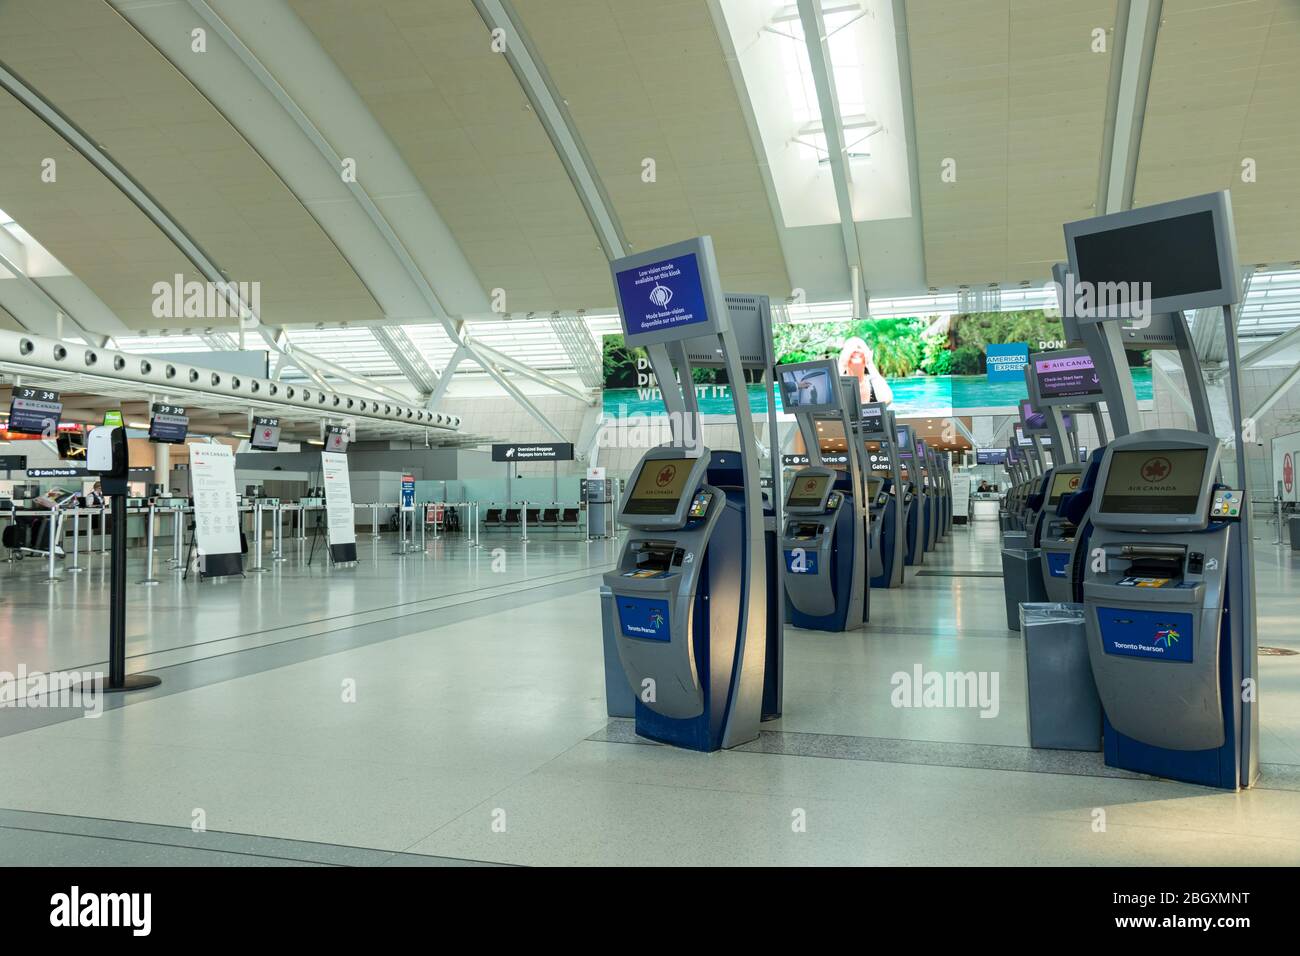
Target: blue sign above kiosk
x: 662, y: 295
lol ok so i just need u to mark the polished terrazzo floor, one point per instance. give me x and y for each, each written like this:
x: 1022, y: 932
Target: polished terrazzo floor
x: 448, y: 709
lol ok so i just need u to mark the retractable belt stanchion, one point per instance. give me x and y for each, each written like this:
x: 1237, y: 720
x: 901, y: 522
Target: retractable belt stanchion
x: 178, y: 540
x: 149, y: 579
x: 257, y: 538
x: 103, y: 528
x: 55, y: 533
x: 277, y: 534
x: 75, y: 568
x: 523, y: 518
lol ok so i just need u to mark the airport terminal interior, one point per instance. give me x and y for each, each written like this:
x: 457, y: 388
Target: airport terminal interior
x: 627, y: 433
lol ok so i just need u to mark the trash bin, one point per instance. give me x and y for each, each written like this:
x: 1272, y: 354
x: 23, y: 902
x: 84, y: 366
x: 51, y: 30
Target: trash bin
x: 1022, y: 579
x: 1294, y: 524
x: 1064, y: 711
x: 619, y: 701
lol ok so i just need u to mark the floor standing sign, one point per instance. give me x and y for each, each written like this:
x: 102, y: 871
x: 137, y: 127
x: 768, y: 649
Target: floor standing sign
x: 408, y: 492
x: 338, y: 507
x: 216, y: 510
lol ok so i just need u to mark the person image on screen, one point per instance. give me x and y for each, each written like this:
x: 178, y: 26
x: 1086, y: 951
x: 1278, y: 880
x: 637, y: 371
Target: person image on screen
x: 858, y: 360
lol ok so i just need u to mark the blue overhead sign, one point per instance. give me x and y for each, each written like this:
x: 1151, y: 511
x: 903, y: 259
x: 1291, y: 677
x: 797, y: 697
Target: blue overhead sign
x: 1006, y: 363
x: 662, y: 295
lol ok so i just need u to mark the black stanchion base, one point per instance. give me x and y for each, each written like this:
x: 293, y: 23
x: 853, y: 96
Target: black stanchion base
x: 134, y: 682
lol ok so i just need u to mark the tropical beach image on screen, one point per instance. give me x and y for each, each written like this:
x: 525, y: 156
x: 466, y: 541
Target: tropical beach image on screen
x: 936, y: 365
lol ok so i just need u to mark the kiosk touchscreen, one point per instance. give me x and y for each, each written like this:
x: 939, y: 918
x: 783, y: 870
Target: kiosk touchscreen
x: 1165, y: 654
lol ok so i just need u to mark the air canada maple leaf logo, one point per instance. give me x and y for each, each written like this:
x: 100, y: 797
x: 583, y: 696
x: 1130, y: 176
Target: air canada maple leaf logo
x: 666, y: 475
x: 1157, y: 469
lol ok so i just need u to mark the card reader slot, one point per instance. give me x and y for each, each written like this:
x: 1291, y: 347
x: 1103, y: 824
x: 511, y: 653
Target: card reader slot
x: 1153, y: 567
x: 657, y: 556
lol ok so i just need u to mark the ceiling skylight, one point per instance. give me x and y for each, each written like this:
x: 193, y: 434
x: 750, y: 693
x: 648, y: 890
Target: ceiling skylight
x: 769, y: 39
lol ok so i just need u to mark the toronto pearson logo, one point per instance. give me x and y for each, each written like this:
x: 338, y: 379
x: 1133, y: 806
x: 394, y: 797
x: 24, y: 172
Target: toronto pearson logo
x: 1167, y: 636
x: 666, y: 475
x: 661, y: 295
x: 1156, y: 469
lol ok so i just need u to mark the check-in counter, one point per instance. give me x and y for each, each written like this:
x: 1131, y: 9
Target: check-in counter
x: 984, y: 506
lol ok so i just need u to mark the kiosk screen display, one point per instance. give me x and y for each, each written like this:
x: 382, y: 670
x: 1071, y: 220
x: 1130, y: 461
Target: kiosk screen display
x: 1066, y: 375
x: 659, y: 486
x: 1063, y: 483
x: 805, y: 387
x: 1162, y: 481
x: 807, y: 492
x: 873, y: 418
x: 1177, y: 256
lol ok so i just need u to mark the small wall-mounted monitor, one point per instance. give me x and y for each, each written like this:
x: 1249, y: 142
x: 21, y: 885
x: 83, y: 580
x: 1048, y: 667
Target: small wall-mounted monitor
x: 266, y: 434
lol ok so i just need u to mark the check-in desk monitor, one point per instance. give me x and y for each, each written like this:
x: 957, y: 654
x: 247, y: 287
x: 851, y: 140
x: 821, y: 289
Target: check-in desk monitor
x: 676, y: 588
x: 809, y: 540
x: 1154, y: 595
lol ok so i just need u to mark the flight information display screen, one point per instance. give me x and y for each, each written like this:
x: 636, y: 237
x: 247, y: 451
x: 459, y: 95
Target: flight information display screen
x: 168, y: 424
x: 1164, y: 481
x: 807, y: 491
x: 34, y: 411
x: 266, y: 434
x: 1063, y: 483
x: 659, y: 486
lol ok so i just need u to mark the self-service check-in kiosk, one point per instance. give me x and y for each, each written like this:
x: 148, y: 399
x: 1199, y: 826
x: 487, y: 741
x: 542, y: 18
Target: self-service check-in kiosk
x: 926, y: 478
x: 888, y: 521
x: 1056, y: 533
x: 689, y: 592
x: 1157, y: 607
x: 913, y: 497
x: 824, y: 538
x: 1168, y: 574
